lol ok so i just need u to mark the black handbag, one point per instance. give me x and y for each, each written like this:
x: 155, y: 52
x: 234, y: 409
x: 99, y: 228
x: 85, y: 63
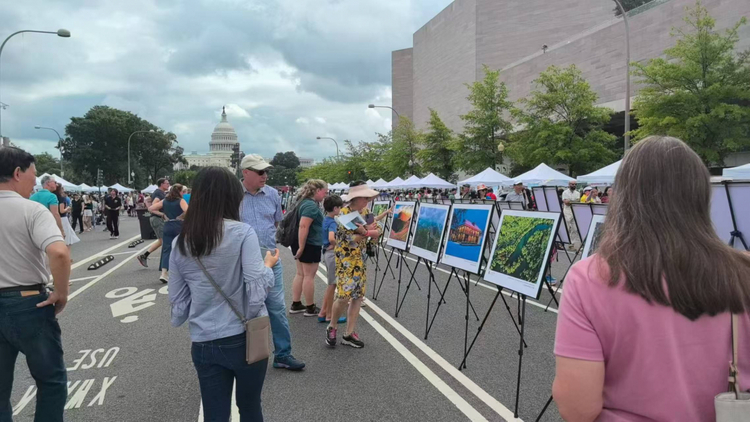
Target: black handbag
x: 288, y: 229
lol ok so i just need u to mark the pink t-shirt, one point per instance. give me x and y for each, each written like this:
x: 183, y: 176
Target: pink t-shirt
x: 659, y: 365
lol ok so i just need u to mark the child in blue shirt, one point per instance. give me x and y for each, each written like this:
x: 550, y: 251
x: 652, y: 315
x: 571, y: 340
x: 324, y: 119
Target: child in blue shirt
x: 332, y: 205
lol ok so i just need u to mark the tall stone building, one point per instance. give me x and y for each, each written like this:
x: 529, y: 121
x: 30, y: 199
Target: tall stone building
x: 451, y: 49
x: 223, y: 140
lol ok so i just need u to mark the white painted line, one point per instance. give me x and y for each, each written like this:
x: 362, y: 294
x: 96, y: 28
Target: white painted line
x: 83, y: 278
x: 111, y: 270
x: 494, y: 289
x: 235, y: 410
x: 447, y: 391
x: 103, y: 253
x: 490, y: 401
x: 122, y: 253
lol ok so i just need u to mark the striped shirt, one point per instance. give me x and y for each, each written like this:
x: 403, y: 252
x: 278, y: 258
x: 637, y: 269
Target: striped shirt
x: 262, y: 212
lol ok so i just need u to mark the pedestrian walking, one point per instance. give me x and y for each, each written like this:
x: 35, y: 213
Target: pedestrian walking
x: 28, y: 322
x: 157, y: 223
x: 261, y: 209
x: 113, y: 205
x: 63, y: 209
x: 47, y: 197
x: 351, y: 268
x: 656, y: 302
x: 76, y: 210
x: 332, y: 206
x: 570, y: 196
x: 88, y: 212
x: 307, y: 246
x: 216, y: 251
x: 173, y: 208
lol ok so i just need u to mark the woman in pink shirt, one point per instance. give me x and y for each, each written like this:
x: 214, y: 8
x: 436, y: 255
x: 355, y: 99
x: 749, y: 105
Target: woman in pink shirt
x: 644, y: 330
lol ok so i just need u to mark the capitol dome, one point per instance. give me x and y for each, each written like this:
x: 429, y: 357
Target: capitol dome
x: 224, y: 136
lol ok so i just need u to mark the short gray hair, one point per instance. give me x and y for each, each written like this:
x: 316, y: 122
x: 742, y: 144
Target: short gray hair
x: 46, y: 178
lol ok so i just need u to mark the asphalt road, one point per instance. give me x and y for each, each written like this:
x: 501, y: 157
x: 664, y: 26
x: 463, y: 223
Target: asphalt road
x: 127, y: 363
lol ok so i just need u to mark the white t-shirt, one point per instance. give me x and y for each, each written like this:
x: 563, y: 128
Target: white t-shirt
x: 26, y: 229
x: 573, y: 196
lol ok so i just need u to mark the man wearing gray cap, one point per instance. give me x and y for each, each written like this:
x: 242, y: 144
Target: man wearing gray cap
x: 261, y: 209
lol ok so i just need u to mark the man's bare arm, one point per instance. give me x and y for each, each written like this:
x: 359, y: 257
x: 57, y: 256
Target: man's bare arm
x: 59, y: 264
x: 56, y: 213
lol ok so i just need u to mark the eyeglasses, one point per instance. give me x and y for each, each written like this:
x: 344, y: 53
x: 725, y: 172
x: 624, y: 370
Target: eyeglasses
x: 259, y: 172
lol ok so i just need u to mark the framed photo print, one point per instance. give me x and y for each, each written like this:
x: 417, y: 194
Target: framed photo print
x: 467, y: 231
x: 428, y: 235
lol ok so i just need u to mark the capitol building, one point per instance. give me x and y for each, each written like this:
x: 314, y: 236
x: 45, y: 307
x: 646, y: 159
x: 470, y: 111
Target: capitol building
x: 223, y: 139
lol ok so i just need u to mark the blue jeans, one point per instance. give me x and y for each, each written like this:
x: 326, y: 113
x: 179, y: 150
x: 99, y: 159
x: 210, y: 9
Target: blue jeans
x: 35, y: 333
x: 220, y: 363
x: 282, y: 337
x: 171, y: 230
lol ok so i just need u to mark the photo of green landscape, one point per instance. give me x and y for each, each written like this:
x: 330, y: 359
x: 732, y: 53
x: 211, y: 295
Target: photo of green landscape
x: 430, y: 228
x: 522, y: 246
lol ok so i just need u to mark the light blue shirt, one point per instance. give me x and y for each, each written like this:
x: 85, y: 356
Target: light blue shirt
x: 237, y: 267
x: 262, y: 212
x: 45, y: 198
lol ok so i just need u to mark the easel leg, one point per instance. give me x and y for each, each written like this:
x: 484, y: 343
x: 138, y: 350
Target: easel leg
x: 442, y: 300
x: 520, y: 353
x: 408, y: 285
x: 466, y: 292
x: 398, y: 291
x: 466, y: 317
x: 479, y: 330
x: 544, y: 409
x: 388, y: 265
x: 562, y: 280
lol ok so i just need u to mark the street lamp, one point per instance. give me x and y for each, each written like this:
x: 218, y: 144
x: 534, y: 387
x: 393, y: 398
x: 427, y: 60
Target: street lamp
x: 411, y: 152
x: 59, y: 146
x: 63, y: 33
x: 334, y: 141
x: 627, y: 75
x: 130, y: 181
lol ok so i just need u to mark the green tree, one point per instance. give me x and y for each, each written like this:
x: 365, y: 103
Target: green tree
x: 562, y: 124
x: 285, y: 169
x: 46, y: 163
x: 436, y: 155
x: 184, y: 177
x: 699, y: 92
x: 484, y: 126
x: 375, y: 161
x: 99, y: 140
x: 287, y: 160
x: 402, y: 156
x: 629, y: 5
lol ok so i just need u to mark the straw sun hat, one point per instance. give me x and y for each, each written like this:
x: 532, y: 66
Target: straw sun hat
x: 361, y: 191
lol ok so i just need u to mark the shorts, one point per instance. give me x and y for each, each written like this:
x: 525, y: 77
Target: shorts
x: 157, y: 223
x: 330, y: 259
x: 311, y: 254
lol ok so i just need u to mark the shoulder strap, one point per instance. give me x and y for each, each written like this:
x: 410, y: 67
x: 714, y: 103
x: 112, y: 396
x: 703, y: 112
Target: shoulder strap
x: 734, y: 373
x: 211, y: 279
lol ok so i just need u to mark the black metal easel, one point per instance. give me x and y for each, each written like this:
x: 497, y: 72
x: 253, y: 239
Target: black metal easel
x: 736, y: 233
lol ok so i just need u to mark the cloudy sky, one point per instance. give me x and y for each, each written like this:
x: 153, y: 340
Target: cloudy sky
x: 287, y: 70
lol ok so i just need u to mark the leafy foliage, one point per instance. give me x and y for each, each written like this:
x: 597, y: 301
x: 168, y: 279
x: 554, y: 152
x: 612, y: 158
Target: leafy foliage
x: 46, y: 163
x: 184, y: 177
x: 700, y: 92
x: 99, y: 140
x: 403, y: 153
x: 287, y: 160
x: 484, y: 126
x: 285, y: 169
x: 562, y: 124
x: 436, y: 156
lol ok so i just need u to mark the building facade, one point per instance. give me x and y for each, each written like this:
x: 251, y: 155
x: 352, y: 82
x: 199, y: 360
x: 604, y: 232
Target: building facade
x: 223, y: 140
x: 451, y: 49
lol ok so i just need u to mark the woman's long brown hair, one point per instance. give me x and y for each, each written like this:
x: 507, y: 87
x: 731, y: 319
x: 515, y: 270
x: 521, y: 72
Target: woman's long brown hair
x: 658, y: 235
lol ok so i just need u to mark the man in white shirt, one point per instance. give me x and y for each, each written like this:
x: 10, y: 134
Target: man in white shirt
x: 569, y: 196
x: 28, y: 322
x: 518, y: 195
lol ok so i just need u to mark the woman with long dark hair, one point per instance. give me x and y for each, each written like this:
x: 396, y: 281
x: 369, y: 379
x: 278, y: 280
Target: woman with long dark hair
x: 173, y: 208
x: 644, y: 329
x: 64, y: 208
x: 229, y: 250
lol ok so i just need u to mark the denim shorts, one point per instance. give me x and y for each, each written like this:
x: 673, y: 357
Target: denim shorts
x: 330, y: 259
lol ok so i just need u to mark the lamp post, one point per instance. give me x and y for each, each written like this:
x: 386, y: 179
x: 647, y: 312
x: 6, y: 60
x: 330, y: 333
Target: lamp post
x: 64, y: 33
x: 130, y: 181
x: 334, y: 141
x: 627, y: 74
x: 411, y: 152
x: 59, y: 146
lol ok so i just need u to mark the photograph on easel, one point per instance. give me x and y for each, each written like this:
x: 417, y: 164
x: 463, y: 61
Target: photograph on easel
x: 430, y: 229
x: 379, y: 207
x: 403, y: 212
x: 521, y: 250
x: 594, y: 236
x: 467, y: 232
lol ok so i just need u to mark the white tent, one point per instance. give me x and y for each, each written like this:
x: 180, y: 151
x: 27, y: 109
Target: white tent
x: 543, y: 175
x: 605, y: 175
x: 369, y: 183
x: 149, y: 189
x: 413, y: 182
x: 741, y: 172
x: 120, y: 188
x: 488, y: 177
x: 434, y: 182
x: 379, y: 184
x: 84, y: 187
x: 395, y: 183
x: 65, y: 184
x: 94, y: 189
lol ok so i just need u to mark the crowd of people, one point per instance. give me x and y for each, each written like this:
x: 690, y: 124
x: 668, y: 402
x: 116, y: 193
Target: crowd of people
x: 644, y: 309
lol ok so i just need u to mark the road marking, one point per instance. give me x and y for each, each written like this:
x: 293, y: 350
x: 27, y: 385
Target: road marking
x: 494, y: 289
x: 121, y: 253
x: 110, y: 271
x: 104, y: 252
x: 235, y: 410
x: 438, y: 383
x: 83, y: 278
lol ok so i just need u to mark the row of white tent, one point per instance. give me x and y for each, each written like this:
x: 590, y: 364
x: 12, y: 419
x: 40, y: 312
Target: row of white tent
x: 542, y: 175
x: 82, y: 187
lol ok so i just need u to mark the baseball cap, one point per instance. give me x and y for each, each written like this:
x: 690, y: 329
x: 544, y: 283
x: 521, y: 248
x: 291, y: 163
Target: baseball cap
x: 587, y: 188
x: 254, y: 162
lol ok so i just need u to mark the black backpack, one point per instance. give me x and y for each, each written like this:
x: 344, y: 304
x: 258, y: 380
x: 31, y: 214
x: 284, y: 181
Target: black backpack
x: 288, y: 229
